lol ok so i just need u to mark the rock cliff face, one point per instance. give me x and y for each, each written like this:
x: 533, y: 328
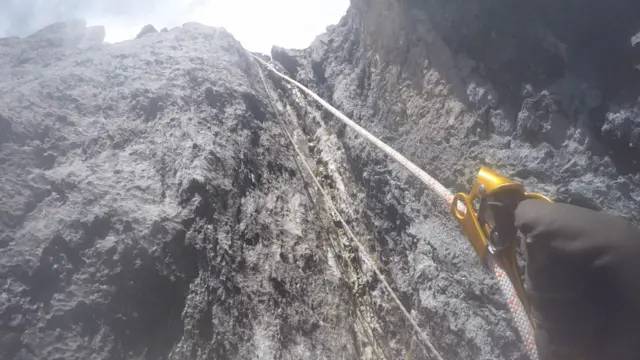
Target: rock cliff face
x: 544, y: 92
x: 151, y: 206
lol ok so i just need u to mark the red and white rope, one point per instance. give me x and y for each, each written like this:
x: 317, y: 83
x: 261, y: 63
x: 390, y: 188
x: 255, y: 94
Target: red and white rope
x: 515, y: 307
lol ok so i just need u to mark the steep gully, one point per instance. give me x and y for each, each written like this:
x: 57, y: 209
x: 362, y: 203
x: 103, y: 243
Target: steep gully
x: 133, y: 226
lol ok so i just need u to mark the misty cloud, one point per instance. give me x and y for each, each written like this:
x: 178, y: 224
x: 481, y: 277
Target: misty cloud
x: 23, y: 17
x: 258, y: 24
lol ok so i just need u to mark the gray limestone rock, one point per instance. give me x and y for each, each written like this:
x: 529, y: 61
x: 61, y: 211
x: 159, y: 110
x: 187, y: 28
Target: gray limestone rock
x: 150, y: 208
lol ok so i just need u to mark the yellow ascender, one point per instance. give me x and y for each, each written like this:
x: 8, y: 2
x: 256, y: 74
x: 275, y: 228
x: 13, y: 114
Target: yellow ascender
x: 487, y: 218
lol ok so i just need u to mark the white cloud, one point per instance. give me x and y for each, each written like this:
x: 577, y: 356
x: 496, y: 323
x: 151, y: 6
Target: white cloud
x: 258, y: 24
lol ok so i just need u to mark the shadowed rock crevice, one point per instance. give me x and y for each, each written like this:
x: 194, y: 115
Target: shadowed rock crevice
x: 145, y: 311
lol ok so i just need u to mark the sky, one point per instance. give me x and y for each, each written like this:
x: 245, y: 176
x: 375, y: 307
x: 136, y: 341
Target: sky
x: 258, y: 24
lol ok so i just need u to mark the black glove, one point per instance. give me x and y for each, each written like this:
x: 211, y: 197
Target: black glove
x: 583, y: 281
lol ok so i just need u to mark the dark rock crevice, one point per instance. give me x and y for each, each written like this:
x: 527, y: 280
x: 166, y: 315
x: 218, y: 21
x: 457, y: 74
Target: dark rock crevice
x: 145, y: 311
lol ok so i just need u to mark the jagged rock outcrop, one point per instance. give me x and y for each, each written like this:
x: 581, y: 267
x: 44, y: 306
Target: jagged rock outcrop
x: 546, y: 85
x: 151, y: 208
x: 147, y: 29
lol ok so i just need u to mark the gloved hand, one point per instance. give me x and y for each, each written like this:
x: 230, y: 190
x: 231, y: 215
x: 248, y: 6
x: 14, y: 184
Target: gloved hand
x: 583, y: 281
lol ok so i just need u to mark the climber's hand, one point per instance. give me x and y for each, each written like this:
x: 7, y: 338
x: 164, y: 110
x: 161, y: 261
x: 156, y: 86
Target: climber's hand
x: 583, y: 281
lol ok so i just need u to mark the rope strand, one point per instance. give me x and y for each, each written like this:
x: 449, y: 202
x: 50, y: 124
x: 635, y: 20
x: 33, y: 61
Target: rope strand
x: 421, y: 335
x: 445, y: 195
x: 515, y: 305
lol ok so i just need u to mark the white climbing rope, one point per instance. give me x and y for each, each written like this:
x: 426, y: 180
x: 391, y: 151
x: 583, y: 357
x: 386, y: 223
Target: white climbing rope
x: 445, y: 195
x: 421, y: 335
x: 513, y: 301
